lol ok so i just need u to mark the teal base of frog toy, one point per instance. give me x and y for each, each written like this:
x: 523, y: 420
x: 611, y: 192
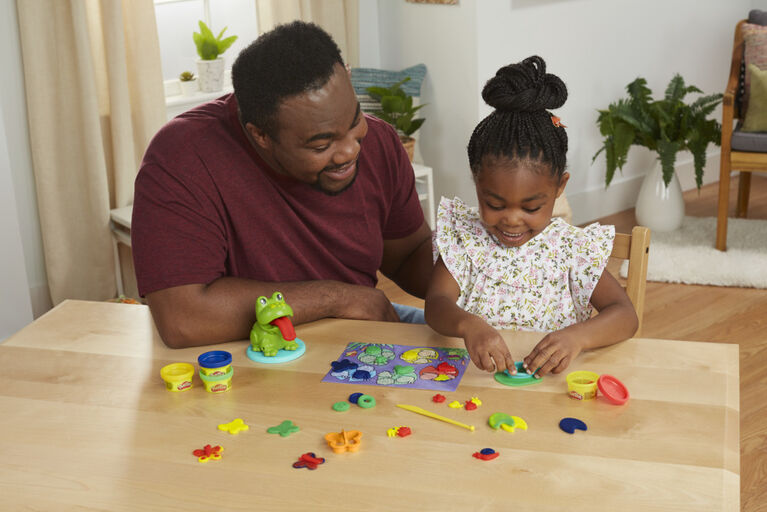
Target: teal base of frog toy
x: 522, y: 378
x: 283, y: 356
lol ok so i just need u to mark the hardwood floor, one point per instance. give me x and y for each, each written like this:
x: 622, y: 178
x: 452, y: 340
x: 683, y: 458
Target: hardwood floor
x: 709, y: 313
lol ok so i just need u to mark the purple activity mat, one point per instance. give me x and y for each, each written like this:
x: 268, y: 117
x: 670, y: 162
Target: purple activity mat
x: 382, y: 364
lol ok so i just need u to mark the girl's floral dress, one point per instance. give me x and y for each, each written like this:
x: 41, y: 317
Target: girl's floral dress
x: 543, y: 285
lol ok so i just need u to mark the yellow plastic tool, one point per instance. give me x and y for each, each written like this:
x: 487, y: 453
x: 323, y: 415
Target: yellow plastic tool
x: 418, y: 410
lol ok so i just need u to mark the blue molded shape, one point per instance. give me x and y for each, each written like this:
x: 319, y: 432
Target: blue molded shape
x: 570, y: 425
x: 343, y: 365
x: 361, y: 374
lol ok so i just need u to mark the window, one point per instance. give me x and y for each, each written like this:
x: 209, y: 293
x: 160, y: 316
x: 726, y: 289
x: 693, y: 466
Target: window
x: 177, y: 20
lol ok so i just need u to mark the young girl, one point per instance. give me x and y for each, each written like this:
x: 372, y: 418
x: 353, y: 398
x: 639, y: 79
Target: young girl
x: 509, y: 264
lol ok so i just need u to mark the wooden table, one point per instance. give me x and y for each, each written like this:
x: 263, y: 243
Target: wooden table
x: 86, y: 423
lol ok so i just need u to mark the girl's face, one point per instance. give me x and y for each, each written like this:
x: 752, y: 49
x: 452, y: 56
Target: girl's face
x: 516, y: 198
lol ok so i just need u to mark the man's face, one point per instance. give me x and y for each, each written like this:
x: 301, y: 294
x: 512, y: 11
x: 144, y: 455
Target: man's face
x: 318, y: 136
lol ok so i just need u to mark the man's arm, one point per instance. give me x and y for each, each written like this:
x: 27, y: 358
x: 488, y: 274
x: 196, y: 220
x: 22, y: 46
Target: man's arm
x: 224, y: 310
x: 408, y: 261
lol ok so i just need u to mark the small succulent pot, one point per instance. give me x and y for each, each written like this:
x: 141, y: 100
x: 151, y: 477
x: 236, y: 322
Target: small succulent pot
x: 189, y: 87
x: 211, y: 74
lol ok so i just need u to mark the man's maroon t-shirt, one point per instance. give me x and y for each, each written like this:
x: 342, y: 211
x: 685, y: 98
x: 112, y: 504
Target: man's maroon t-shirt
x: 206, y: 206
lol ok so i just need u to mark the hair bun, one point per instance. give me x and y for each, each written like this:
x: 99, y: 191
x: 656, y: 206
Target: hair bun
x: 525, y: 87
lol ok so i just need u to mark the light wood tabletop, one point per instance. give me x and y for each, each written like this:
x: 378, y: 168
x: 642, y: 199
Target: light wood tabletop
x: 87, y: 424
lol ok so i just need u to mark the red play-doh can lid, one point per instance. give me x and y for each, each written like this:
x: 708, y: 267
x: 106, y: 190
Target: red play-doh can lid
x: 613, y: 389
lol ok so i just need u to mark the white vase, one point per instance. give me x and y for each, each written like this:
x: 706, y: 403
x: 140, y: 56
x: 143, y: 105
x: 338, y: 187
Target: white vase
x: 189, y: 87
x: 660, y: 207
x: 210, y: 74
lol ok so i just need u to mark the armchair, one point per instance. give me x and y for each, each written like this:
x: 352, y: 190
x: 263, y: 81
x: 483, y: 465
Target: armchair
x: 743, y: 151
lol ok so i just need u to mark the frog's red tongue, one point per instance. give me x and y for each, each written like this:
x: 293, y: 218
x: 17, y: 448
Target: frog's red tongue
x: 285, y: 326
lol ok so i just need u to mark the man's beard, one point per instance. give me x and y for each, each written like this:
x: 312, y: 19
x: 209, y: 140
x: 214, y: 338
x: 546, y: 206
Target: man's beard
x: 316, y: 185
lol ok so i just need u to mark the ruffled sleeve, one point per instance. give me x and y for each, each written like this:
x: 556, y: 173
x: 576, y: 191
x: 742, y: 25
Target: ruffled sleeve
x: 590, y: 249
x: 456, y: 224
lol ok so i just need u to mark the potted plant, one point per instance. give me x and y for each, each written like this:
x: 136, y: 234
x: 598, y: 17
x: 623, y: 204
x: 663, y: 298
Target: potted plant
x: 666, y: 126
x: 397, y: 109
x: 210, y: 66
x: 188, y: 83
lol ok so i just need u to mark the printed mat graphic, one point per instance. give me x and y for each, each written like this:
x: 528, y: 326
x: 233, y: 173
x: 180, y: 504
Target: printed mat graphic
x: 383, y: 364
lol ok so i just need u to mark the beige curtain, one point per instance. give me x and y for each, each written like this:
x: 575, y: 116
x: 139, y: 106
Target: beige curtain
x: 340, y: 18
x: 95, y: 97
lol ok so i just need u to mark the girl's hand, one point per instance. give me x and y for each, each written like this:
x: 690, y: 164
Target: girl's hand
x: 486, y: 345
x: 553, y: 353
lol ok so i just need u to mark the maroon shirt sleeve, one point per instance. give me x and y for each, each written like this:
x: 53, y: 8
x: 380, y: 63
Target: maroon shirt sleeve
x: 176, y: 232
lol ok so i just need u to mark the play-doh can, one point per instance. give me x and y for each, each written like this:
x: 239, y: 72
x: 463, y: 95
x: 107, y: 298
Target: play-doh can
x: 219, y: 383
x: 215, y: 363
x: 582, y: 385
x: 177, y: 376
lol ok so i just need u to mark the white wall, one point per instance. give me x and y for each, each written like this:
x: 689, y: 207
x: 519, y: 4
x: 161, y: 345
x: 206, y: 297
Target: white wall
x: 370, y: 53
x: 15, y: 301
x: 443, y: 38
x: 20, y: 233
x: 595, y: 46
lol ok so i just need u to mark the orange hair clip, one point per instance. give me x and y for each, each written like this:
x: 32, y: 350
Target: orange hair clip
x: 557, y: 122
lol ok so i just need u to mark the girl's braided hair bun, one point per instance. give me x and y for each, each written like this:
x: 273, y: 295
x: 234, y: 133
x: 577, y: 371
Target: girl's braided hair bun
x: 525, y: 87
x: 521, y: 125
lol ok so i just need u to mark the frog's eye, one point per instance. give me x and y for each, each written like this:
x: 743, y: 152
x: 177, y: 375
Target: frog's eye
x: 262, y: 301
x: 278, y: 296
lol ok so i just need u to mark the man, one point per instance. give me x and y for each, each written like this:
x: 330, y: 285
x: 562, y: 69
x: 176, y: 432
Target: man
x: 284, y: 186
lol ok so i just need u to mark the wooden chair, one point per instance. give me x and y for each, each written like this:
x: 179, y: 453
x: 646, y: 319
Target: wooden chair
x: 733, y: 160
x: 636, y: 249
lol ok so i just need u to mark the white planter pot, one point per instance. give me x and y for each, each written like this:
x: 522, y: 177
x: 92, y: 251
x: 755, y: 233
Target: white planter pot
x: 188, y: 88
x: 210, y: 74
x: 660, y: 207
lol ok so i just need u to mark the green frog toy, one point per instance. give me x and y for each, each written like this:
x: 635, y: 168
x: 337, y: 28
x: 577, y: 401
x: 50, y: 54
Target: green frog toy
x: 273, y: 329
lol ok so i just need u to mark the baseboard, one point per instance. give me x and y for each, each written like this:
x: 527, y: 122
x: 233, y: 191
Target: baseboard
x: 621, y: 195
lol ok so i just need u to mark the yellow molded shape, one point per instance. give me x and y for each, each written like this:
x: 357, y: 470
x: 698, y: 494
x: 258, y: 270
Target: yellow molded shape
x: 234, y: 426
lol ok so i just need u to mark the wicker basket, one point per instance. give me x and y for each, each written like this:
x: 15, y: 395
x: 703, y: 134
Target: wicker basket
x: 409, y: 143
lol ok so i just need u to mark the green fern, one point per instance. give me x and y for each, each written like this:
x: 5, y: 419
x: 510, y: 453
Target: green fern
x: 666, y: 126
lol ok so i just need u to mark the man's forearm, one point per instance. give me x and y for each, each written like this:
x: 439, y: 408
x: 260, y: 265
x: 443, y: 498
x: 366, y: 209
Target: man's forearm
x: 224, y: 310
x: 414, y: 274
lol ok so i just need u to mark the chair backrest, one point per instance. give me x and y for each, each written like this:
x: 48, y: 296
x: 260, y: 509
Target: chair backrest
x: 735, y: 82
x: 636, y: 249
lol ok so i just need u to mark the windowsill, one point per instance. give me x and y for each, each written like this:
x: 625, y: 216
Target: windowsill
x: 196, y: 98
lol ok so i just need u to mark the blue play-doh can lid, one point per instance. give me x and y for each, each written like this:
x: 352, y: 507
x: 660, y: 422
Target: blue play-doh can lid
x: 215, y: 359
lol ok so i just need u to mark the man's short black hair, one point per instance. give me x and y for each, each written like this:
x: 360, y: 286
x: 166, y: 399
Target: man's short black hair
x: 291, y: 59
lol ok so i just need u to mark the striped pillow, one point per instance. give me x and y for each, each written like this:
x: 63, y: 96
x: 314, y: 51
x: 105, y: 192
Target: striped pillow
x: 362, y: 78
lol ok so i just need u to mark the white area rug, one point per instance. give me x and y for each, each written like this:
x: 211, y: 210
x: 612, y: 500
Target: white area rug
x: 687, y: 255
